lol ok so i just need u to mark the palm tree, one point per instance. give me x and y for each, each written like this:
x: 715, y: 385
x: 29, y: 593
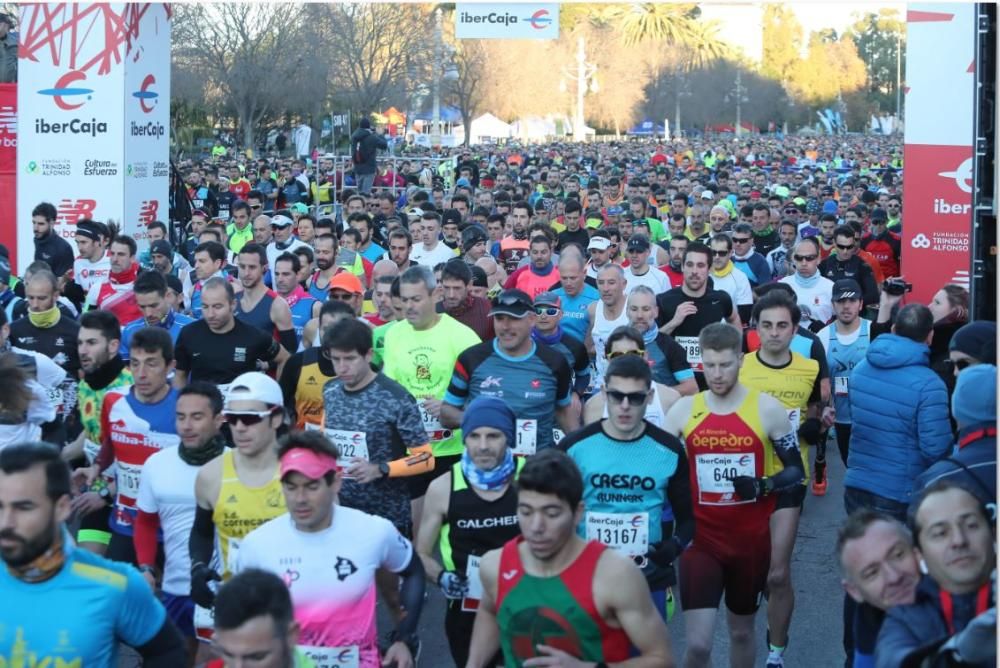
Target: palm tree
x: 641, y: 22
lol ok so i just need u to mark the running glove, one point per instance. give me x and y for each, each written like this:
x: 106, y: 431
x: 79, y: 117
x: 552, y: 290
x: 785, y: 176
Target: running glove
x: 811, y: 431
x: 201, y: 593
x: 454, y: 586
x: 749, y: 488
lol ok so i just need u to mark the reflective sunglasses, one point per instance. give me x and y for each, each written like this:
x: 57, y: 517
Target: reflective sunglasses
x: 507, y: 299
x: 249, y: 418
x: 741, y: 240
x: 804, y: 258
x: 548, y: 310
x: 633, y: 398
x: 639, y: 352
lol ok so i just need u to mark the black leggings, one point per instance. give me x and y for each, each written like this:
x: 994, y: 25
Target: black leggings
x: 458, y: 629
x: 843, y: 439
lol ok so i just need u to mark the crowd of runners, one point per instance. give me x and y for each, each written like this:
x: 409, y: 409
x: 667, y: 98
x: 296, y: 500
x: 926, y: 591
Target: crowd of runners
x: 578, y: 388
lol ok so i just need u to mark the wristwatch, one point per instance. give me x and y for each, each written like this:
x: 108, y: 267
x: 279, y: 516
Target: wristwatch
x: 383, y: 468
x: 106, y: 495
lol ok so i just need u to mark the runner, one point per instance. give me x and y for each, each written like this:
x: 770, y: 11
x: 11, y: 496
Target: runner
x: 468, y: 511
x: 727, y: 432
x: 167, y: 503
x: 575, y: 292
x: 514, y: 247
x: 209, y: 262
x: 606, y: 315
x: 812, y: 289
x: 553, y: 597
x: 793, y: 380
x: 116, y: 294
x: 667, y: 358
x: 259, y: 306
x: 686, y: 310
x: 238, y: 490
x: 61, y: 604
x: 548, y: 330
x: 336, y: 615
x: 220, y: 347
x: 286, y: 284
x: 636, y: 487
x: 533, y: 379
x: 151, y: 298
x: 622, y: 342
x: 420, y: 353
x: 93, y: 264
x: 639, y: 270
x: 255, y: 624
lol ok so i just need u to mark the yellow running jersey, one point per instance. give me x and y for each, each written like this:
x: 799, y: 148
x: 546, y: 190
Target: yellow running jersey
x: 795, y: 385
x: 240, y: 509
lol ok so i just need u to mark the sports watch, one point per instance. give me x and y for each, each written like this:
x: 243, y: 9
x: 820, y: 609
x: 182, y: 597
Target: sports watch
x: 383, y: 468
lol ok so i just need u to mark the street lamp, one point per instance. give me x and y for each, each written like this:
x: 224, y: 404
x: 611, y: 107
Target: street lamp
x: 586, y: 77
x: 683, y: 90
x: 738, y: 94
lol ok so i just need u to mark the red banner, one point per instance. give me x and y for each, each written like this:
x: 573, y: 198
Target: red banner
x: 8, y: 170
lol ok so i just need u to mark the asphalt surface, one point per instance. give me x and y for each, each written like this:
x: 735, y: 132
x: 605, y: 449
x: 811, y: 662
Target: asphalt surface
x: 817, y: 624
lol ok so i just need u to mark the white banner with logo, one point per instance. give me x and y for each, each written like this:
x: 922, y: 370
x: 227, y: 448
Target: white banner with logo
x: 78, y: 67
x: 527, y: 20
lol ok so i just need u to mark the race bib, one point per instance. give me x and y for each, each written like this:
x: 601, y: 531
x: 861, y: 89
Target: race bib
x: 232, y: 555
x: 527, y: 437
x: 349, y: 444
x: 333, y: 657
x: 840, y: 384
x: 557, y: 435
x: 626, y: 532
x: 204, y: 624
x: 693, y: 351
x: 715, y: 473
x: 471, y: 602
x: 91, y: 450
x: 793, y: 419
x: 432, y: 425
x: 127, y: 477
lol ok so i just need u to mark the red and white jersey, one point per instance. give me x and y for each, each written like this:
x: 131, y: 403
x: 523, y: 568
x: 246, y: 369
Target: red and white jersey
x: 136, y: 431
x: 119, y: 298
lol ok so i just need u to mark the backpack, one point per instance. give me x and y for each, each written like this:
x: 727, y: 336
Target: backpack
x: 356, y: 154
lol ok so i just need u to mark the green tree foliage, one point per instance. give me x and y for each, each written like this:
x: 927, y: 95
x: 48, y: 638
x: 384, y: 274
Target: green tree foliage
x: 782, y: 39
x: 879, y: 37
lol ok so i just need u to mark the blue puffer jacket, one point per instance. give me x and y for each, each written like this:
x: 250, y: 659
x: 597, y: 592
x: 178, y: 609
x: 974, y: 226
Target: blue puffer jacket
x: 899, y: 409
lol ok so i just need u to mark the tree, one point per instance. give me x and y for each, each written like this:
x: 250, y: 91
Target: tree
x: 881, y: 39
x: 830, y: 70
x: 466, y: 90
x: 782, y: 42
x: 368, y: 46
x: 241, y: 52
x: 654, y: 22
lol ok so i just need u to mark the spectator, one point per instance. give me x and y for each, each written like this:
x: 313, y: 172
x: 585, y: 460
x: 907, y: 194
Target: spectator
x: 974, y: 343
x: 8, y: 50
x: 364, y: 146
x: 950, y: 309
x: 900, y: 412
x: 974, y: 463
x: 950, y: 622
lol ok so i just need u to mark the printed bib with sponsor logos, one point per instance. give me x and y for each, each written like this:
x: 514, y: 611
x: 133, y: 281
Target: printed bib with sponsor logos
x: 232, y: 554
x: 128, y: 476
x: 626, y: 532
x: 91, y: 450
x: 840, y: 384
x: 693, y: 350
x: 715, y: 473
x: 793, y: 419
x: 471, y: 602
x: 557, y: 435
x: 349, y: 444
x: 333, y: 657
x: 527, y: 437
x: 432, y: 425
x: 204, y: 624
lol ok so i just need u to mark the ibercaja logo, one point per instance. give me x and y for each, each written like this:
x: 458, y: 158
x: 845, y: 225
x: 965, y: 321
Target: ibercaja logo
x: 69, y: 93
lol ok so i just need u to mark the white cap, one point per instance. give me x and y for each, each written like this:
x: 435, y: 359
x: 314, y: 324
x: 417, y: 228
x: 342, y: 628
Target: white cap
x: 707, y: 194
x: 255, y: 386
x: 599, y: 243
x: 282, y: 221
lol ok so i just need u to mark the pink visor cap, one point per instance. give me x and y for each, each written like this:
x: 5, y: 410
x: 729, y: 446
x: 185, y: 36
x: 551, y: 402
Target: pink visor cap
x: 313, y: 465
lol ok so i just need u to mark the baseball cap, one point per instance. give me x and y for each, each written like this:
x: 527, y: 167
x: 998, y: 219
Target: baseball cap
x: 781, y: 191
x: 299, y: 207
x: 415, y: 212
x: 599, y: 243
x: 161, y: 247
x: 614, y: 211
x: 515, y: 303
x: 255, y: 386
x: 829, y: 206
x: 754, y: 194
x: 548, y: 299
x: 846, y: 288
x: 347, y: 282
x: 281, y: 221
x: 472, y: 235
x: 463, y: 182
x: 313, y: 465
x: 707, y: 194
x: 451, y: 216
x: 637, y: 242
x: 879, y: 215
x: 479, y: 277
x: 828, y: 190
x: 594, y: 223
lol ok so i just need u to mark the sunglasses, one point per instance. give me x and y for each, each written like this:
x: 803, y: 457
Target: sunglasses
x: 510, y: 300
x: 633, y: 398
x: 255, y: 206
x: 250, y: 418
x: 639, y: 352
x: 959, y: 365
x: 721, y: 253
x: 549, y: 310
x: 741, y: 240
x: 845, y: 247
x: 804, y: 258
x: 341, y: 296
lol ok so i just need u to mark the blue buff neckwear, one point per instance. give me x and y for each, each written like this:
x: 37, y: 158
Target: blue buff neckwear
x: 542, y: 272
x: 488, y: 480
x: 547, y: 339
x: 804, y: 282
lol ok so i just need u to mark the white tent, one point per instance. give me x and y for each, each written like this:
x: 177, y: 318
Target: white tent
x: 485, y: 128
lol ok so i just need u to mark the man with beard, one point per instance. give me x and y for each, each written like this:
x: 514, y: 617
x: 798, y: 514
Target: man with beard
x: 62, y: 604
x: 302, y: 306
x: 93, y: 265
x: 49, y: 246
x: 116, y: 294
x: 460, y: 304
x: 362, y: 222
x: 673, y: 269
x: 779, y: 260
x: 151, y: 298
x: 257, y: 305
x: 514, y: 248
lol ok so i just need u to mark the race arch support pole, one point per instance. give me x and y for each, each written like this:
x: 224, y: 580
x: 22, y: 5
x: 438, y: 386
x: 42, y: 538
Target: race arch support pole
x: 983, y: 286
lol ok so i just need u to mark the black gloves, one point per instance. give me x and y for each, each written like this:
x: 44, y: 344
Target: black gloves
x: 811, y: 431
x: 201, y: 593
x: 749, y: 488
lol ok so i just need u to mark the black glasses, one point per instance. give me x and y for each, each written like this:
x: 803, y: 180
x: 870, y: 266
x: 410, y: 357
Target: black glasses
x: 250, y: 418
x: 721, y: 253
x: 546, y: 310
x: 340, y: 296
x: 741, y: 240
x: 255, y: 206
x: 956, y: 366
x: 804, y: 258
x: 638, y: 352
x: 846, y: 247
x: 791, y: 212
x: 633, y: 398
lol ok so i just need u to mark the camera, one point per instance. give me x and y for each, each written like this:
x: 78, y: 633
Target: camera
x: 896, y: 286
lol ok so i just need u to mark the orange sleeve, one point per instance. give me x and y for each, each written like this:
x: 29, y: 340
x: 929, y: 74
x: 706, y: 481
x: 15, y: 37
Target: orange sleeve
x: 420, y: 460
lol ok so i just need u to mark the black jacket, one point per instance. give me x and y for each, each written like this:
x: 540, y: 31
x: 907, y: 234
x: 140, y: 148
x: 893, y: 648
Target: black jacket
x: 56, y: 251
x: 366, y: 143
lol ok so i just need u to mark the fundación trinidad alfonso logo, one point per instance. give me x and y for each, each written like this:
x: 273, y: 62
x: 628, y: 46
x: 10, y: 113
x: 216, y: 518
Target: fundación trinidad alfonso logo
x: 65, y: 90
x: 148, y: 98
